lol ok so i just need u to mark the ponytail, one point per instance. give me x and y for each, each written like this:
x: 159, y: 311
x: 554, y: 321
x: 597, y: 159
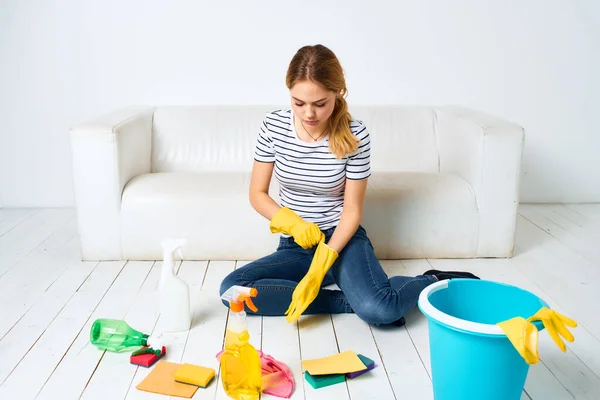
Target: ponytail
x: 341, y: 139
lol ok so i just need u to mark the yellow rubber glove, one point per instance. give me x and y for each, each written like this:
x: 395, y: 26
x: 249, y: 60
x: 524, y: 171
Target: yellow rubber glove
x: 309, y: 286
x: 306, y: 234
x: 555, y: 322
x: 524, y: 337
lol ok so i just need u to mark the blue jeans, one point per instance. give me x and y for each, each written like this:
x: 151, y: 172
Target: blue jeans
x: 366, y: 289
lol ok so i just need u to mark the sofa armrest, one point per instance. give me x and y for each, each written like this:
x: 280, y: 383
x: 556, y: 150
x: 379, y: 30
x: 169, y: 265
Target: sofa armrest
x: 485, y: 151
x: 106, y: 154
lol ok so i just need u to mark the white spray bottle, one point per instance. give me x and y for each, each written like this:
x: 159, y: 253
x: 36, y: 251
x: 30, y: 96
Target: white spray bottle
x: 174, y: 293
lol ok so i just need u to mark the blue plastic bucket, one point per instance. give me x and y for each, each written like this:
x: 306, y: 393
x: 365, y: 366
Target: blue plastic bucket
x: 471, y: 357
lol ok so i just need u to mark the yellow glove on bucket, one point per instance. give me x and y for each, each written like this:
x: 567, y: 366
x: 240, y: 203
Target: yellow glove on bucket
x: 524, y: 337
x: 555, y: 322
x: 309, y: 286
x: 306, y: 234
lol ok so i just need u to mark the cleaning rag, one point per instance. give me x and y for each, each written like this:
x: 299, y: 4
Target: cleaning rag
x: 277, y: 378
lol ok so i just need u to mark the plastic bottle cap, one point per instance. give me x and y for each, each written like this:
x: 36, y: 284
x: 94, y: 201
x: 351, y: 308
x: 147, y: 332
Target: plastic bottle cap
x: 237, y: 306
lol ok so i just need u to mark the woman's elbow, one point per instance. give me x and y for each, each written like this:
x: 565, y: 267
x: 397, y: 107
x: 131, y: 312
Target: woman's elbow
x: 255, y: 197
x: 252, y: 198
x: 353, y: 215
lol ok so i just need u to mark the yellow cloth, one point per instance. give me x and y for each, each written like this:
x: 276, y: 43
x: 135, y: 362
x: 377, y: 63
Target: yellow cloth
x: 308, y: 288
x: 555, y: 322
x: 162, y: 381
x: 524, y: 337
x: 341, y: 363
x: 306, y: 234
x: 194, y: 375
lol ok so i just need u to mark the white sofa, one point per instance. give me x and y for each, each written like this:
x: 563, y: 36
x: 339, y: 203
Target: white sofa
x: 444, y: 182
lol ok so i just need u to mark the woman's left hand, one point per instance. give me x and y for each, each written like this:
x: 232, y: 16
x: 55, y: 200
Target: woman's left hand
x: 308, y: 288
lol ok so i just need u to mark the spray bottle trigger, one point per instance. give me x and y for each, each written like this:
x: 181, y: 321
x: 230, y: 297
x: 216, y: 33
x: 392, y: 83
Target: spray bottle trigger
x: 250, y: 304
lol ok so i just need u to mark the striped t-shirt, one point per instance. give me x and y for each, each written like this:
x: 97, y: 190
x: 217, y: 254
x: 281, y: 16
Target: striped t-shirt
x: 311, y: 179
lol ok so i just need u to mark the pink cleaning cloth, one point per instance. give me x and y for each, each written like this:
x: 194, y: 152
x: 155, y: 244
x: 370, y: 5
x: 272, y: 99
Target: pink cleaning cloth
x: 277, y: 378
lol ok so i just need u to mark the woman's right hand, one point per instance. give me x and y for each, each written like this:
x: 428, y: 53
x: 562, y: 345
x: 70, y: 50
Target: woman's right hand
x: 306, y: 234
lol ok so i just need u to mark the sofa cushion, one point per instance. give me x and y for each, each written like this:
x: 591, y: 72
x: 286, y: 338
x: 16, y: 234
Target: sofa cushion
x: 410, y: 213
x: 206, y: 208
x: 426, y: 207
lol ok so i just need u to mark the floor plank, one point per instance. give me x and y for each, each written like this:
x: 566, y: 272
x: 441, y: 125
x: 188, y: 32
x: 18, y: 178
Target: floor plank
x: 564, y: 231
x: 590, y: 210
x: 10, y: 218
x: 28, y: 235
x: 583, y: 227
x: 26, y: 332
x: 525, y: 396
x: 17, y: 287
x: 416, y: 323
x: 589, y: 224
x: 50, y: 248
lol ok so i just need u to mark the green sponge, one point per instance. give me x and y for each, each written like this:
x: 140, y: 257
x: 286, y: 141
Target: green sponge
x: 319, y: 381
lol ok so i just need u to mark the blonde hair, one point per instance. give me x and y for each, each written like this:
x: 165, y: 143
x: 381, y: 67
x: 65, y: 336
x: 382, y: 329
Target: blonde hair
x: 320, y: 65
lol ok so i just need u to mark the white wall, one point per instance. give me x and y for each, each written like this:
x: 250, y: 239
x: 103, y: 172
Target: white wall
x: 534, y: 62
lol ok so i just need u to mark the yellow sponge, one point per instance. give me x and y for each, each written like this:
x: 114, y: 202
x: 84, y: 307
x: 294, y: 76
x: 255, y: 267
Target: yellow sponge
x: 194, y: 375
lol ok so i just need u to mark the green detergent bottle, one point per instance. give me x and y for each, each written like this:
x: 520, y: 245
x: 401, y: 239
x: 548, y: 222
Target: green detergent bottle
x: 116, y: 335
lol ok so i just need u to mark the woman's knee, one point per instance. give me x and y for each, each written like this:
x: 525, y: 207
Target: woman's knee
x: 380, y: 310
x: 378, y: 316
x: 234, y: 278
x: 243, y: 276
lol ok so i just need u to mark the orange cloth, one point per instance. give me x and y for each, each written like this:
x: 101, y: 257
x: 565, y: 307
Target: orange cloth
x: 162, y: 381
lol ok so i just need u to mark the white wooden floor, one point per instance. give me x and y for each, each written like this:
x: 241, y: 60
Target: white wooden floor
x: 49, y: 298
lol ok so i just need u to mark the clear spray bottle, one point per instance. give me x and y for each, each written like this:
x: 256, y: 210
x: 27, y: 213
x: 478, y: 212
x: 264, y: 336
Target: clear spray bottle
x: 174, y: 293
x: 240, y: 362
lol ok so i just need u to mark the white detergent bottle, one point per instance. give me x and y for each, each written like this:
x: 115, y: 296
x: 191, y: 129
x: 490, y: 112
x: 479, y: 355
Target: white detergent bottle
x: 174, y: 293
